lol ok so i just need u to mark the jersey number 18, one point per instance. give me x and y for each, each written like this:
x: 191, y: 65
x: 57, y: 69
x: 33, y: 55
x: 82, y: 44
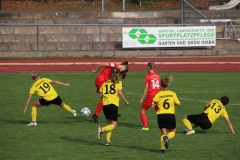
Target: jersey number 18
x: 110, y: 89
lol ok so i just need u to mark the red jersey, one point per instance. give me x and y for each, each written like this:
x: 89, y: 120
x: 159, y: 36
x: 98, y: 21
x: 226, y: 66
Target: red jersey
x: 154, y: 81
x: 104, y: 75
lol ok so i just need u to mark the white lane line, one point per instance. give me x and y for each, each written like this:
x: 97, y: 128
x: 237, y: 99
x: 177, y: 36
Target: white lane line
x: 187, y: 99
x: 232, y: 104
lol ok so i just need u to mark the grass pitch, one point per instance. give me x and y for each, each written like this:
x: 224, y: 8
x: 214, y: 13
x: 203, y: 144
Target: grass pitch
x: 61, y: 136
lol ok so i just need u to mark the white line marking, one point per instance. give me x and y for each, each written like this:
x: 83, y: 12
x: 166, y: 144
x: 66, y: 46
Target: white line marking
x: 232, y: 104
x: 187, y: 99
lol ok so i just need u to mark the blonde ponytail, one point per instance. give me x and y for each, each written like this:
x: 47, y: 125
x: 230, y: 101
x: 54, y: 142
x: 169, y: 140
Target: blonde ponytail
x: 166, y: 81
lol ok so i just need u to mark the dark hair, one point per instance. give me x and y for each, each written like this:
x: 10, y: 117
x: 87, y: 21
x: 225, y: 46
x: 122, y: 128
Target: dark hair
x: 224, y: 100
x: 114, y: 75
x: 124, y: 73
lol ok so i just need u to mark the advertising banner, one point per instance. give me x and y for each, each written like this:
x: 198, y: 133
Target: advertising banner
x: 140, y: 37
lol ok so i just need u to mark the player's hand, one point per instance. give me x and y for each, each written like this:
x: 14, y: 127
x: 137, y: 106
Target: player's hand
x: 67, y: 85
x: 25, y: 110
x: 94, y: 71
x: 140, y: 101
x: 126, y: 103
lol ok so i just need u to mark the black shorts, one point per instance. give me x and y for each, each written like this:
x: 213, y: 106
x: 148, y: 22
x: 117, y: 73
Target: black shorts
x: 200, y: 120
x: 111, y: 112
x: 56, y: 101
x: 166, y: 121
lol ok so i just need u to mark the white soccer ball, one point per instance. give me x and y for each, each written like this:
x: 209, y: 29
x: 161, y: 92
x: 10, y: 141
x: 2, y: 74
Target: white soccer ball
x: 85, y: 112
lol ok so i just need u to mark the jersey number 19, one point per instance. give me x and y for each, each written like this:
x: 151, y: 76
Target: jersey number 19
x: 45, y: 87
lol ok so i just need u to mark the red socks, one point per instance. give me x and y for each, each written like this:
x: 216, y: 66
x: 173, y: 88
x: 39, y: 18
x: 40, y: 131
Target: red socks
x: 144, y: 120
x: 99, y: 108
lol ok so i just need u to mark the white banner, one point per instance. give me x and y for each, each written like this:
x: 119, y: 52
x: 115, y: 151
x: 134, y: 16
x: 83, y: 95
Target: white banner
x: 168, y: 36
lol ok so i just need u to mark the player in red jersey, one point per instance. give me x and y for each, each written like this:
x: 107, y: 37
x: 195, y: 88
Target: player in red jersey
x: 152, y: 86
x: 103, y: 77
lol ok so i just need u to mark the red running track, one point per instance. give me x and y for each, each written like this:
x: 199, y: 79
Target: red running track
x: 205, y: 64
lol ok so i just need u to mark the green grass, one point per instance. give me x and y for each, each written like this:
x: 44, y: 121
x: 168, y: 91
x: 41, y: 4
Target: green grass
x: 61, y: 136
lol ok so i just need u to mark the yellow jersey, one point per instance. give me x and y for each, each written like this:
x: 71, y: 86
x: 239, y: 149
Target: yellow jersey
x: 215, y: 109
x: 44, y: 89
x: 166, y: 101
x: 109, y: 91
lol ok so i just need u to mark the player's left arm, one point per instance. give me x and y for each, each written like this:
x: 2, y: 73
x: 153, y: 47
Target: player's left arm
x: 230, y: 125
x: 60, y: 83
x: 123, y: 97
x: 27, y: 102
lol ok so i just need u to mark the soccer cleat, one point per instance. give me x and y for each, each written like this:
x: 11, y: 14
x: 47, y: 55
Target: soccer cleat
x: 166, y: 142
x: 185, y: 131
x: 190, y: 132
x: 74, y: 113
x: 32, y: 124
x: 99, y: 132
x: 95, y: 118
x: 107, y: 143
x: 144, y: 129
x: 162, y: 151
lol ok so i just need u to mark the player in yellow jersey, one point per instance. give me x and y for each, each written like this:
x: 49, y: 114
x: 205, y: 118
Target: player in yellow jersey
x: 110, y: 93
x: 164, y: 103
x: 48, y: 96
x: 212, y: 111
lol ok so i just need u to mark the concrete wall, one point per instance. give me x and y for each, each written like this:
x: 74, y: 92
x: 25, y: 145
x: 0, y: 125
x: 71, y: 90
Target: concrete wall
x: 83, y: 40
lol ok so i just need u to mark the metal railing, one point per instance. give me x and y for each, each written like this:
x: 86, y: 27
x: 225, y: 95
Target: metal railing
x: 191, y: 15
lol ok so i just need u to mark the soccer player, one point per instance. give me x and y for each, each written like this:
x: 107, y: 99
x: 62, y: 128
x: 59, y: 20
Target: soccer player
x: 103, y: 77
x: 164, y: 103
x: 44, y: 88
x: 212, y: 111
x: 110, y: 92
x: 152, y: 86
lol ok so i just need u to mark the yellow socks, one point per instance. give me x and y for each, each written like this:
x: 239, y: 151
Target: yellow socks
x: 170, y: 135
x: 107, y: 128
x: 67, y: 108
x: 162, y: 142
x: 187, y: 123
x: 108, y: 136
x: 34, y: 114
